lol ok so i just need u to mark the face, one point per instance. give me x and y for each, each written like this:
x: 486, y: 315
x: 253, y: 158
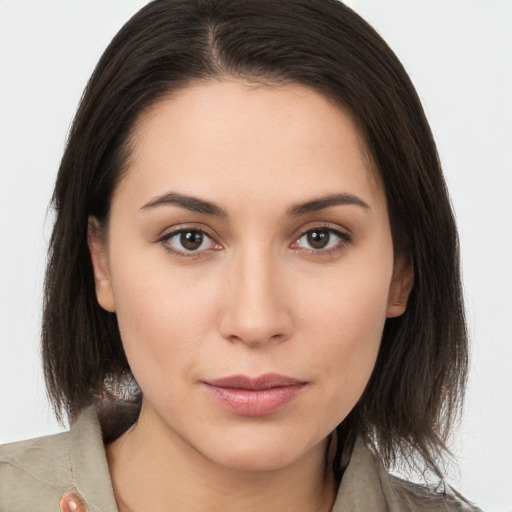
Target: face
x: 249, y: 260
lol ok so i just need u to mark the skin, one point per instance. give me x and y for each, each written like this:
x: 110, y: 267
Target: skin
x: 255, y: 297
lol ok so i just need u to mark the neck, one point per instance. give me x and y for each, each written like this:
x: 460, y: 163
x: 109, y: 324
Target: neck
x: 153, y: 470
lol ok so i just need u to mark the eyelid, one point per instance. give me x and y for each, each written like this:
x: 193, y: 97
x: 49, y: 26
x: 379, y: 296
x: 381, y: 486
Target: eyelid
x: 169, y: 233
x: 343, y: 234
x: 328, y: 226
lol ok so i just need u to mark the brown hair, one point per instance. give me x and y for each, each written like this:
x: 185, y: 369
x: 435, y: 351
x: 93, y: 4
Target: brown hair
x: 417, y: 386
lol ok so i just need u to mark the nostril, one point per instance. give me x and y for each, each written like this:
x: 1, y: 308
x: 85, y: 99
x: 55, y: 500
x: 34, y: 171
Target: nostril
x: 256, y: 338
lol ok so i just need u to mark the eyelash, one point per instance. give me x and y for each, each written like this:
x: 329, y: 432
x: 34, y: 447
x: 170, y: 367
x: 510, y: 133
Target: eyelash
x: 167, y: 237
x: 344, y: 240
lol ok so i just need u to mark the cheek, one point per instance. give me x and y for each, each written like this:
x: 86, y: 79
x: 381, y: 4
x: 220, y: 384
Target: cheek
x: 346, y: 324
x: 162, y: 319
x: 349, y: 303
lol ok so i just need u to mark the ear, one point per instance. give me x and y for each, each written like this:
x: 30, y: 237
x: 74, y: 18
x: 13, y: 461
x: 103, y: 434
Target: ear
x: 401, y: 286
x: 100, y: 265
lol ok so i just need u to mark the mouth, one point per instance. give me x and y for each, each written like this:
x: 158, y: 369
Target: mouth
x: 247, y: 396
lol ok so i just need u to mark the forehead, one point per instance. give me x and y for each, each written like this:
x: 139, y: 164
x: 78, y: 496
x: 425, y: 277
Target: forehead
x: 220, y: 136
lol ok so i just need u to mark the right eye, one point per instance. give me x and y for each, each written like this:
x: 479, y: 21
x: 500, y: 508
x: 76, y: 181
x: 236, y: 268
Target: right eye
x: 188, y: 242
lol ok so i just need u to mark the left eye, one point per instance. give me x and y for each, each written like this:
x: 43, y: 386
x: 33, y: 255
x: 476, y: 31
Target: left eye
x: 189, y: 240
x: 320, y: 239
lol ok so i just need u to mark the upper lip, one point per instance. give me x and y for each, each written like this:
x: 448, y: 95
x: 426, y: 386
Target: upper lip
x: 267, y: 381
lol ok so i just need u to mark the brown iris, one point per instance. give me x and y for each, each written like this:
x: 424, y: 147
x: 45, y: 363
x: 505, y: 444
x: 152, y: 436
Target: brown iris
x: 191, y: 240
x: 318, y: 238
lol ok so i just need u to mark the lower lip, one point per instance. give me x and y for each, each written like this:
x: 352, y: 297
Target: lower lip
x: 246, y: 402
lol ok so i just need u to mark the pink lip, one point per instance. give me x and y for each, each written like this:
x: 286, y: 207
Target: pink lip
x: 259, y: 396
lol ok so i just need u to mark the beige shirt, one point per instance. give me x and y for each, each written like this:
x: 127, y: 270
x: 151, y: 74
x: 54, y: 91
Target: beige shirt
x: 36, y: 474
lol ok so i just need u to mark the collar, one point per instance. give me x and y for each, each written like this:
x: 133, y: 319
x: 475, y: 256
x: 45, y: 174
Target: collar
x: 89, y: 463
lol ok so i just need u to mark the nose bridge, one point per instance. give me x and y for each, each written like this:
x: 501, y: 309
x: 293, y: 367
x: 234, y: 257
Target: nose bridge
x: 255, y: 311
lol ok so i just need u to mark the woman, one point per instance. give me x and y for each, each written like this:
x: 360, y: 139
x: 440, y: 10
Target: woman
x: 253, y: 296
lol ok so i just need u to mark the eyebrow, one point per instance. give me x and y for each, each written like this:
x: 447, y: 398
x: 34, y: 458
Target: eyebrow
x: 188, y: 202
x: 326, y: 202
x: 207, y: 208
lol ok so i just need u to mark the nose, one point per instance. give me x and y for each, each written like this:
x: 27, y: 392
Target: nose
x: 255, y: 308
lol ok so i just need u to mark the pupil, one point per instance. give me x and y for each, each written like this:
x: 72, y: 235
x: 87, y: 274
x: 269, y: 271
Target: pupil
x: 318, y: 238
x: 191, y: 240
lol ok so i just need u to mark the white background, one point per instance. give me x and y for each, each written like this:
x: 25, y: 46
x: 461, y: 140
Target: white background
x: 459, y: 55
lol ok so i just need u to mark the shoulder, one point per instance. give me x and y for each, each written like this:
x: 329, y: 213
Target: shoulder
x: 38, y: 468
x: 367, y: 485
x: 36, y: 474
x: 415, y: 497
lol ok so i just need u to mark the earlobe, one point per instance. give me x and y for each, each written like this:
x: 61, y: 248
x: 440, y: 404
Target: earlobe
x: 401, y: 286
x: 100, y: 266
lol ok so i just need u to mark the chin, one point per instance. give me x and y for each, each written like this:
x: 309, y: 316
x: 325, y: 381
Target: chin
x: 256, y: 459
x: 261, y: 452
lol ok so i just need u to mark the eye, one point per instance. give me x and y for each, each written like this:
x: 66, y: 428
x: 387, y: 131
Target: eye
x: 322, y: 239
x: 184, y: 242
